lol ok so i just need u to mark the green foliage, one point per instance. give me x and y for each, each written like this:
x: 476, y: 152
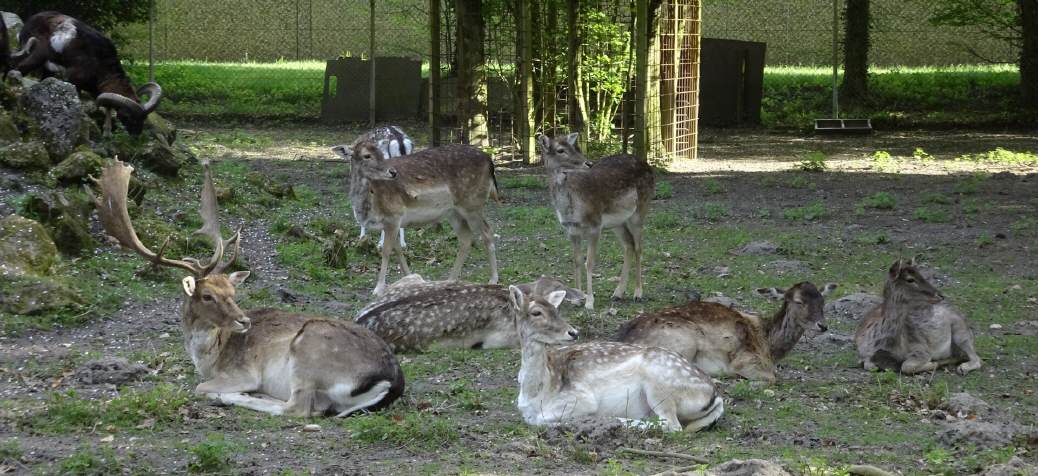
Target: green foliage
x: 880, y: 201
x: 810, y: 212
x: 664, y: 190
x: 812, y: 162
x: 801, y: 182
x: 712, y: 186
x: 920, y: 154
x: 984, y: 240
x: 64, y: 412
x: 212, y: 455
x: 92, y: 462
x: 937, y: 198
x: 999, y: 19
x: 930, y: 215
x: 10, y: 450
x: 103, y: 15
x: 414, y: 429
x: 714, y: 211
x: 1001, y: 156
x: 606, y: 68
x: 969, y: 184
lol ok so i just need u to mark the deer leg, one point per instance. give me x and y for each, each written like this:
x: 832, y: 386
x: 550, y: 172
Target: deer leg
x: 592, y: 250
x: 265, y: 405
x: 230, y: 390
x: 962, y: 337
x: 403, y: 244
x: 480, y: 224
x: 387, y: 250
x: 106, y: 131
x: 578, y: 261
x: 635, y: 229
x: 628, y: 243
x: 464, y: 233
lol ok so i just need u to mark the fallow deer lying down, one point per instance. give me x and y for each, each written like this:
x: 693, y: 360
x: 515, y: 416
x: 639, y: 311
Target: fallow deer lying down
x: 603, y: 379
x: 416, y: 315
x: 452, y: 182
x: 914, y: 330
x: 614, y: 195
x: 722, y: 341
x: 293, y: 364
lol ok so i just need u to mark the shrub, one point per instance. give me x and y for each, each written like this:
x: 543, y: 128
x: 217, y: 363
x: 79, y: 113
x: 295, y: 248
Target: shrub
x: 211, y: 456
x: 812, y: 162
x: 880, y: 201
x: 809, y: 212
x: 930, y: 215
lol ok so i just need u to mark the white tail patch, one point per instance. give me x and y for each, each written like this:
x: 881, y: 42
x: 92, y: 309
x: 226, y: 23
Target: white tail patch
x: 63, y: 34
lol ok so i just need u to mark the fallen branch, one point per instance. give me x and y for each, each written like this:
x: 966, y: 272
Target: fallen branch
x: 664, y: 454
x: 678, y: 470
x: 868, y: 470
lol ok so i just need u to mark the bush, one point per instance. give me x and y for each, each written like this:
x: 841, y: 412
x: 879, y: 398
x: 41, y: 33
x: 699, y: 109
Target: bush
x: 812, y: 162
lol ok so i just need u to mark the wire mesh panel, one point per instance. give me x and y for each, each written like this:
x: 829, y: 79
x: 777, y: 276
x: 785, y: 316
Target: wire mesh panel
x: 672, y: 86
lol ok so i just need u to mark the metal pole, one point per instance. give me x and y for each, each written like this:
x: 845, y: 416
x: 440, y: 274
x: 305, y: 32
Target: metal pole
x: 526, y: 145
x: 641, y: 79
x: 836, y: 59
x: 151, y: 41
x: 297, y: 30
x: 371, y: 60
x: 434, y: 71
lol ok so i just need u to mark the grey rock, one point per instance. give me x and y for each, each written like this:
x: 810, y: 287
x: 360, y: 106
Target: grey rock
x: 757, y: 248
x: 852, y: 306
x: 787, y: 267
x: 111, y: 370
x: 54, y: 105
x: 974, y: 432
x: 962, y: 404
x: 1014, y: 467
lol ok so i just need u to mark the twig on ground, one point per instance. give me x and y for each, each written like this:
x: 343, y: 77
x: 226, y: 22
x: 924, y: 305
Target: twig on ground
x: 868, y: 470
x: 664, y: 454
x: 679, y: 469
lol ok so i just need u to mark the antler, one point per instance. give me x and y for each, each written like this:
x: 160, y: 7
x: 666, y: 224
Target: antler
x: 111, y: 208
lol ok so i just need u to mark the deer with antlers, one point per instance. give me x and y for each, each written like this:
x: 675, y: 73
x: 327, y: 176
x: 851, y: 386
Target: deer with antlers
x: 278, y: 362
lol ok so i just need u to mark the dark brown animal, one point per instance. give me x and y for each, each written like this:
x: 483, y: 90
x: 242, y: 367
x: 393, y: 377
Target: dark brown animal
x: 914, y: 330
x: 300, y: 365
x: 53, y: 43
x: 722, y: 341
x: 614, y: 195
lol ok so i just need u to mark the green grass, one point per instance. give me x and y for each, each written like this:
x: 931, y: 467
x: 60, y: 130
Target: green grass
x: 535, y: 182
x: 91, y: 461
x: 812, y: 162
x: 422, y: 430
x: 132, y: 409
x: 212, y: 455
x: 664, y: 190
x: 880, y: 201
x: 793, y: 96
x: 811, y: 212
x: 931, y: 215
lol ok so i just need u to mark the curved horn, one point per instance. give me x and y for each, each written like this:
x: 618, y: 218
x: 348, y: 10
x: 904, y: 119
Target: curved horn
x: 118, y: 101
x: 154, y: 93
x: 26, y: 48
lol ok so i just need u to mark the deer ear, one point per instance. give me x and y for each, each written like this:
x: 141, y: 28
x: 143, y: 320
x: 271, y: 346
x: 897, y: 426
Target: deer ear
x: 516, y: 296
x: 238, y: 277
x: 772, y: 293
x: 895, y: 269
x: 828, y: 288
x: 574, y: 296
x: 343, y: 151
x: 544, y: 142
x: 556, y: 298
x: 189, y: 285
x: 572, y: 138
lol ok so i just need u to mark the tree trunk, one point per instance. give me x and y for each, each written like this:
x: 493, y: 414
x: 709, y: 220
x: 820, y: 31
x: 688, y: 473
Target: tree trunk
x: 576, y: 103
x: 656, y: 152
x: 1029, y: 53
x: 472, y: 80
x: 855, y: 51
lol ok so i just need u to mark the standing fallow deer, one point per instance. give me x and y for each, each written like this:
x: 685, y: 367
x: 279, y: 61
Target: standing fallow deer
x: 722, y: 341
x: 452, y: 182
x: 914, y: 330
x: 614, y: 194
x: 393, y: 142
x: 603, y: 379
x: 417, y: 315
x: 294, y: 364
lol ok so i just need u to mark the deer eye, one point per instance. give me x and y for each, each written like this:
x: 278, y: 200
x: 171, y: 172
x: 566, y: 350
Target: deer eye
x: 537, y: 313
x: 207, y: 297
x: 909, y: 280
x: 560, y: 151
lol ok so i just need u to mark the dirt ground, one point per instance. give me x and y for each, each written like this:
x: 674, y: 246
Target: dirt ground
x: 976, y: 233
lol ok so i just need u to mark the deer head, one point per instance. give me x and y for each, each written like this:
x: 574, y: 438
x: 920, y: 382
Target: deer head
x: 367, y: 160
x: 538, y: 319
x: 906, y: 283
x: 562, y: 153
x: 803, y: 303
x: 210, y: 292
x: 131, y: 113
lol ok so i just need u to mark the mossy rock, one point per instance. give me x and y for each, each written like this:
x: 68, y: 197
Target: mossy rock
x: 9, y: 132
x: 65, y: 216
x: 27, y: 156
x: 75, y: 169
x: 158, y: 126
x: 25, y: 247
x: 27, y: 295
